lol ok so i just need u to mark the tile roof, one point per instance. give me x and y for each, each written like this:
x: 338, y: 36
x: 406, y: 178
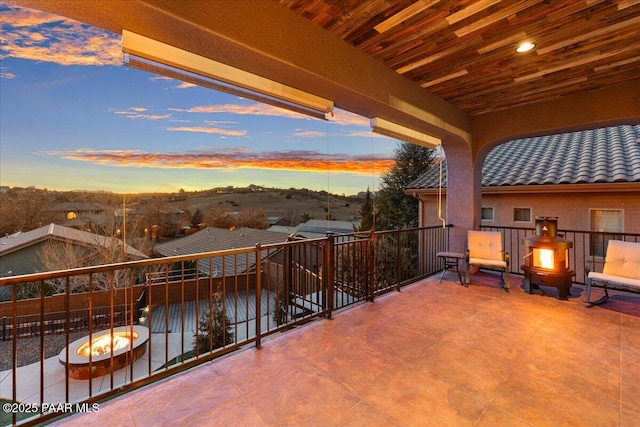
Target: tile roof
x: 603, y: 155
x: 213, y: 239
x: 21, y: 240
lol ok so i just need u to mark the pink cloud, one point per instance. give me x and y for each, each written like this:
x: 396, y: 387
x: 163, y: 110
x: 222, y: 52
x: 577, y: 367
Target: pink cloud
x: 206, y: 129
x: 40, y: 36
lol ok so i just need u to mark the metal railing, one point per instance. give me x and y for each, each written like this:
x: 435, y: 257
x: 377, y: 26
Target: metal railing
x: 588, y: 246
x: 238, y: 297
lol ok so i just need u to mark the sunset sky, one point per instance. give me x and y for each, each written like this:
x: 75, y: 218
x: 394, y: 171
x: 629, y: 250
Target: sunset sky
x: 72, y: 116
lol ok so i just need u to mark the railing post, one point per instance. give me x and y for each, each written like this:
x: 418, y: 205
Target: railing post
x: 371, y: 255
x: 258, y: 296
x: 398, y: 261
x: 328, y: 284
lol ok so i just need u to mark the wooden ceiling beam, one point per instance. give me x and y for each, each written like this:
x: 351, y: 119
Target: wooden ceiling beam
x: 590, y: 35
x: 624, y: 4
x: 506, y: 41
x: 445, y: 78
x: 440, y: 55
x: 583, y: 59
x: 617, y: 64
x: 470, y: 10
x: 404, y: 14
x: 571, y: 9
x: 501, y: 14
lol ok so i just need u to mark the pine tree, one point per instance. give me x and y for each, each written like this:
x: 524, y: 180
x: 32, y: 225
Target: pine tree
x: 197, y: 218
x: 366, y: 213
x: 214, y: 328
x: 395, y: 208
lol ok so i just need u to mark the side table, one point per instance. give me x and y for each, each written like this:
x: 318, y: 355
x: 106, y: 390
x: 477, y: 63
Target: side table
x: 451, y: 260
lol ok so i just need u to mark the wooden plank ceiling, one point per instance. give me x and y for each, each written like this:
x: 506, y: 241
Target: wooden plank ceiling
x: 464, y: 50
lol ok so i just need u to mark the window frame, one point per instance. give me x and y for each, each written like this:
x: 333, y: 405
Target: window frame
x: 528, y: 221
x: 493, y: 214
x: 598, y: 240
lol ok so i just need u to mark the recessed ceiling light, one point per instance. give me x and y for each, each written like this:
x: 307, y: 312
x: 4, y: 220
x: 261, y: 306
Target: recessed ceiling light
x: 525, y: 47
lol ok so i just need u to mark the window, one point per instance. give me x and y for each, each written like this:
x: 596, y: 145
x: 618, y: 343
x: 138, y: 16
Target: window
x: 522, y: 214
x: 606, y: 223
x: 487, y: 214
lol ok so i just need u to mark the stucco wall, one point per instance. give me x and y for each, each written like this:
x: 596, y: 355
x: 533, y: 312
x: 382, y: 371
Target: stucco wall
x: 572, y: 209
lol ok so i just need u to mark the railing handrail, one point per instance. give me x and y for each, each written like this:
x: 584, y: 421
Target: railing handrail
x: 48, y: 275
x: 560, y: 230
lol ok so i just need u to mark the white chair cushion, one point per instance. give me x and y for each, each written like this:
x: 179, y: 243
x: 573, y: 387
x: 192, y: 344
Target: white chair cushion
x: 488, y: 262
x: 623, y: 259
x: 611, y: 279
x: 486, y: 245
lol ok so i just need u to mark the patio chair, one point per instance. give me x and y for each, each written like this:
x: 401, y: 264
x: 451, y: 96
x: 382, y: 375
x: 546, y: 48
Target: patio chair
x: 485, y: 249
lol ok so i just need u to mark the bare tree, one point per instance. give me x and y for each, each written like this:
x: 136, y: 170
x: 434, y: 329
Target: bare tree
x: 252, y: 218
x: 24, y: 210
x: 57, y: 254
x: 220, y: 218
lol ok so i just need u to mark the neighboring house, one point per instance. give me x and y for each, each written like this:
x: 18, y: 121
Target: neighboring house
x: 80, y: 215
x: 276, y: 220
x: 317, y: 228
x: 20, y: 253
x: 590, y: 180
x: 213, y: 239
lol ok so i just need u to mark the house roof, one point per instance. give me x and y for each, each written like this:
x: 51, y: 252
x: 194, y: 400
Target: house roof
x: 21, y: 240
x: 606, y: 155
x: 320, y: 228
x: 213, y: 239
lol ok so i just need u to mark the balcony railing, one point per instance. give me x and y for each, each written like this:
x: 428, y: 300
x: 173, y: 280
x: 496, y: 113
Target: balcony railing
x: 195, y: 308
x: 588, y: 246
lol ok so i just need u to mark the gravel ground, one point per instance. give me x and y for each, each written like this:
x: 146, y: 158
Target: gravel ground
x: 29, y: 349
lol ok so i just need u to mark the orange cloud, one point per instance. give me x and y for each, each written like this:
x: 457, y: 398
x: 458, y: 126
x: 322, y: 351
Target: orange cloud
x: 229, y: 159
x: 40, y: 36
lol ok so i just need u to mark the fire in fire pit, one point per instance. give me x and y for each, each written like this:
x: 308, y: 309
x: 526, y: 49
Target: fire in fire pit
x: 104, y: 352
x: 106, y: 343
x: 547, y: 258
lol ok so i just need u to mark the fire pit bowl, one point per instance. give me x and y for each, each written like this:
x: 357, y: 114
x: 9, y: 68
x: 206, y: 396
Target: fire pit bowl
x: 90, y: 358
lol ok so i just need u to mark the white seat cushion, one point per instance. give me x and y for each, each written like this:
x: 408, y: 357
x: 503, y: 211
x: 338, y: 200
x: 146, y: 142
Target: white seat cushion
x: 613, y: 280
x: 488, y: 262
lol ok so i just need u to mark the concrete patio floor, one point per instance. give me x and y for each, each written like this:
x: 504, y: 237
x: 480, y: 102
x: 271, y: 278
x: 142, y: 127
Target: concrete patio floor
x: 433, y: 354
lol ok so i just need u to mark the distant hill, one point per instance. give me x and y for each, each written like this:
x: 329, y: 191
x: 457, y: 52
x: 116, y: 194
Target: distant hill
x: 24, y: 209
x: 294, y: 205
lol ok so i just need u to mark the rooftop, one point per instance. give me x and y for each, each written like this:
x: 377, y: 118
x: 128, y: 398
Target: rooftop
x: 604, y: 155
x: 21, y: 240
x: 213, y: 239
x: 432, y: 354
